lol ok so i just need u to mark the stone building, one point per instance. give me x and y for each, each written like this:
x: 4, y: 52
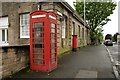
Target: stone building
x: 15, y: 34
x: 118, y: 39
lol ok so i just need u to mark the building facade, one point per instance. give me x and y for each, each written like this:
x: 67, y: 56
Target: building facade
x: 15, y: 29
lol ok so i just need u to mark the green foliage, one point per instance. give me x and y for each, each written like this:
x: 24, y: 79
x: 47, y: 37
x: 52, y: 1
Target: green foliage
x: 96, y: 14
x: 114, y: 38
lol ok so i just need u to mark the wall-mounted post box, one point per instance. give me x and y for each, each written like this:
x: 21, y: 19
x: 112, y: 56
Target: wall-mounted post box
x: 74, y: 42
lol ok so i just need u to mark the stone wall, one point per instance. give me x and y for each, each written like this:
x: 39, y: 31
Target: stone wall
x: 12, y: 10
x: 14, y: 58
x: 0, y: 63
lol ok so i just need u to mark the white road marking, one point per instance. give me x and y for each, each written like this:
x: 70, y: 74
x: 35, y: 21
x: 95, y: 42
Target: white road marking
x: 114, y: 66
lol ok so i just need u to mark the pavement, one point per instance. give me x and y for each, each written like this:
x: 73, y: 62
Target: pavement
x: 91, y: 62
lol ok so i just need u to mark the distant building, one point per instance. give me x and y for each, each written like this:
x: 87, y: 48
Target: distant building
x: 118, y: 39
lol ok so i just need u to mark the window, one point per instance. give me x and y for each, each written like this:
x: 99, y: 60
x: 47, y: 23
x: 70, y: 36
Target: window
x: 53, y: 42
x: 24, y: 26
x: 4, y: 31
x: 66, y: 27
x: 83, y: 33
x: 73, y: 28
x: 79, y: 30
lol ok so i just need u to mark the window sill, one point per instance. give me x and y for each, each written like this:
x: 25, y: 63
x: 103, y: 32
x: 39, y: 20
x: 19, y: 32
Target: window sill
x: 17, y: 45
x: 23, y: 37
x: 5, y: 44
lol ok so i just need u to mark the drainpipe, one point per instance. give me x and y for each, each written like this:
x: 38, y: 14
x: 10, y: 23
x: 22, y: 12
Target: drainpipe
x: 84, y: 24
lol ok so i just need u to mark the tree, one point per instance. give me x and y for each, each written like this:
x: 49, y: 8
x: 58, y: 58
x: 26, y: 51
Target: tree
x: 114, y: 38
x: 96, y: 14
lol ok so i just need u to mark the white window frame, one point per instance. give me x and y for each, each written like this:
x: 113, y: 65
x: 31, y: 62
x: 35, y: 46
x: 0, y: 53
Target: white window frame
x: 23, y: 24
x: 4, y: 26
x: 63, y: 29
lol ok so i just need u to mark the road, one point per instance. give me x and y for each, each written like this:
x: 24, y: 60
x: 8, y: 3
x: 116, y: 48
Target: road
x: 115, y: 52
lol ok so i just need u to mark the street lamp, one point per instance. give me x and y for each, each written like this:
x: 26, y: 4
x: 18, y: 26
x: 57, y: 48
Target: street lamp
x: 84, y: 25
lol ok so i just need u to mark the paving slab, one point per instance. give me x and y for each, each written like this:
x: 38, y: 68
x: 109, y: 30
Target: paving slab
x: 86, y: 74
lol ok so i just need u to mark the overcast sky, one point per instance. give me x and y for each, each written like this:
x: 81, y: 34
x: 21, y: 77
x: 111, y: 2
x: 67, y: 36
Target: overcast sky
x: 112, y: 26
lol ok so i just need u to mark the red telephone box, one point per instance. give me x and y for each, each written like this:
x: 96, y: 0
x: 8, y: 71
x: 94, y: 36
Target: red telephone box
x: 43, y: 41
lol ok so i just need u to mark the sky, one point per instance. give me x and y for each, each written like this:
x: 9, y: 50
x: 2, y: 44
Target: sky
x: 112, y: 26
